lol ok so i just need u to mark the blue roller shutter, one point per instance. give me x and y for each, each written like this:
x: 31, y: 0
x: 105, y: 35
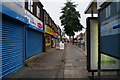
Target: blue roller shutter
x: 12, y: 45
x: 33, y: 43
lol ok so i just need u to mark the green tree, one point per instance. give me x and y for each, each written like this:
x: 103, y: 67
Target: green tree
x: 70, y: 19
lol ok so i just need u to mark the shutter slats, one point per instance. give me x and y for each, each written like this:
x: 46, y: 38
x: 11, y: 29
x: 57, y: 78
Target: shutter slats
x: 12, y: 45
x: 33, y: 43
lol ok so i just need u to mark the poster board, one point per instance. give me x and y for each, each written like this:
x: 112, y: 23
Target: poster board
x: 108, y: 63
x: 109, y: 23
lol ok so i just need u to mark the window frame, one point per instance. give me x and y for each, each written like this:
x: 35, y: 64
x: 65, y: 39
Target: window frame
x: 46, y: 18
x: 38, y: 11
x: 118, y: 8
x: 108, y: 12
x: 30, y: 5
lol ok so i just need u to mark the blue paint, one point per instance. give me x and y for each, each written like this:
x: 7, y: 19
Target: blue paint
x: 33, y: 42
x: 110, y: 45
x: 13, y: 41
x: 116, y: 27
x: 12, y: 45
x: 11, y: 13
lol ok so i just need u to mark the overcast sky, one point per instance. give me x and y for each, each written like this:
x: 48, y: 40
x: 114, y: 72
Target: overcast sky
x: 53, y: 7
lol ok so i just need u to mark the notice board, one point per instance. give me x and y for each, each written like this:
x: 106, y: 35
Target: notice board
x: 107, y: 62
x: 109, y: 23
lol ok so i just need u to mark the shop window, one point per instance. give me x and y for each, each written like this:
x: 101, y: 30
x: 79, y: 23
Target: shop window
x: 46, y: 19
x: 48, y: 39
x: 38, y: 12
x: 30, y: 5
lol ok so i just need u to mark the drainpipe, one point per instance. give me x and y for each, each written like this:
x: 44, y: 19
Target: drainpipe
x: 43, y: 40
x: 99, y: 54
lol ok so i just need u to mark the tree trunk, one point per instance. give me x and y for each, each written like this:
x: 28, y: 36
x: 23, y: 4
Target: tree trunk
x: 73, y: 40
x: 70, y: 38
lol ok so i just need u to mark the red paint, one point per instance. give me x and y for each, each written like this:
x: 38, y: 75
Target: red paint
x: 55, y: 34
x: 39, y: 25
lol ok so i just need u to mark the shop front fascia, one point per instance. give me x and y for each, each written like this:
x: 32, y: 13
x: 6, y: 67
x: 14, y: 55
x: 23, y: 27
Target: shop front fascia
x: 34, y: 35
x: 12, y: 34
x: 48, y: 36
x: 55, y: 39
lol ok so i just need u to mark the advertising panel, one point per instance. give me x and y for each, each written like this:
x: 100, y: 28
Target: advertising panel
x: 110, y: 36
x: 33, y: 20
x: 94, y: 44
x: 107, y: 62
x: 48, y: 30
x: 55, y: 34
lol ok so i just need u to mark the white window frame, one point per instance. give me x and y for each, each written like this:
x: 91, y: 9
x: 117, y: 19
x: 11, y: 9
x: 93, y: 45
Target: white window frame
x: 108, y: 12
x: 30, y: 5
x: 38, y: 12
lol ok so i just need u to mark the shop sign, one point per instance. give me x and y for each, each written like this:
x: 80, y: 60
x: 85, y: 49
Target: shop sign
x: 110, y: 36
x: 48, y: 30
x: 33, y: 20
x: 48, y: 44
x: 55, y: 34
x: 109, y: 63
x: 15, y: 5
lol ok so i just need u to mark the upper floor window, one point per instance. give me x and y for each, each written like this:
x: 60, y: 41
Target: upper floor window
x: 108, y: 12
x: 30, y: 5
x: 38, y: 12
x: 50, y: 22
x: 46, y: 18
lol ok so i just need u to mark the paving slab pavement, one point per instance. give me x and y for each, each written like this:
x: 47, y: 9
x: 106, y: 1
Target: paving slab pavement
x: 65, y: 64
x: 75, y: 63
x: 45, y: 65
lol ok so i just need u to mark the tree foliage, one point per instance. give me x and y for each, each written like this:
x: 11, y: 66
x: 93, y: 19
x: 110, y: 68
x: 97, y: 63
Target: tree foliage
x: 70, y: 19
